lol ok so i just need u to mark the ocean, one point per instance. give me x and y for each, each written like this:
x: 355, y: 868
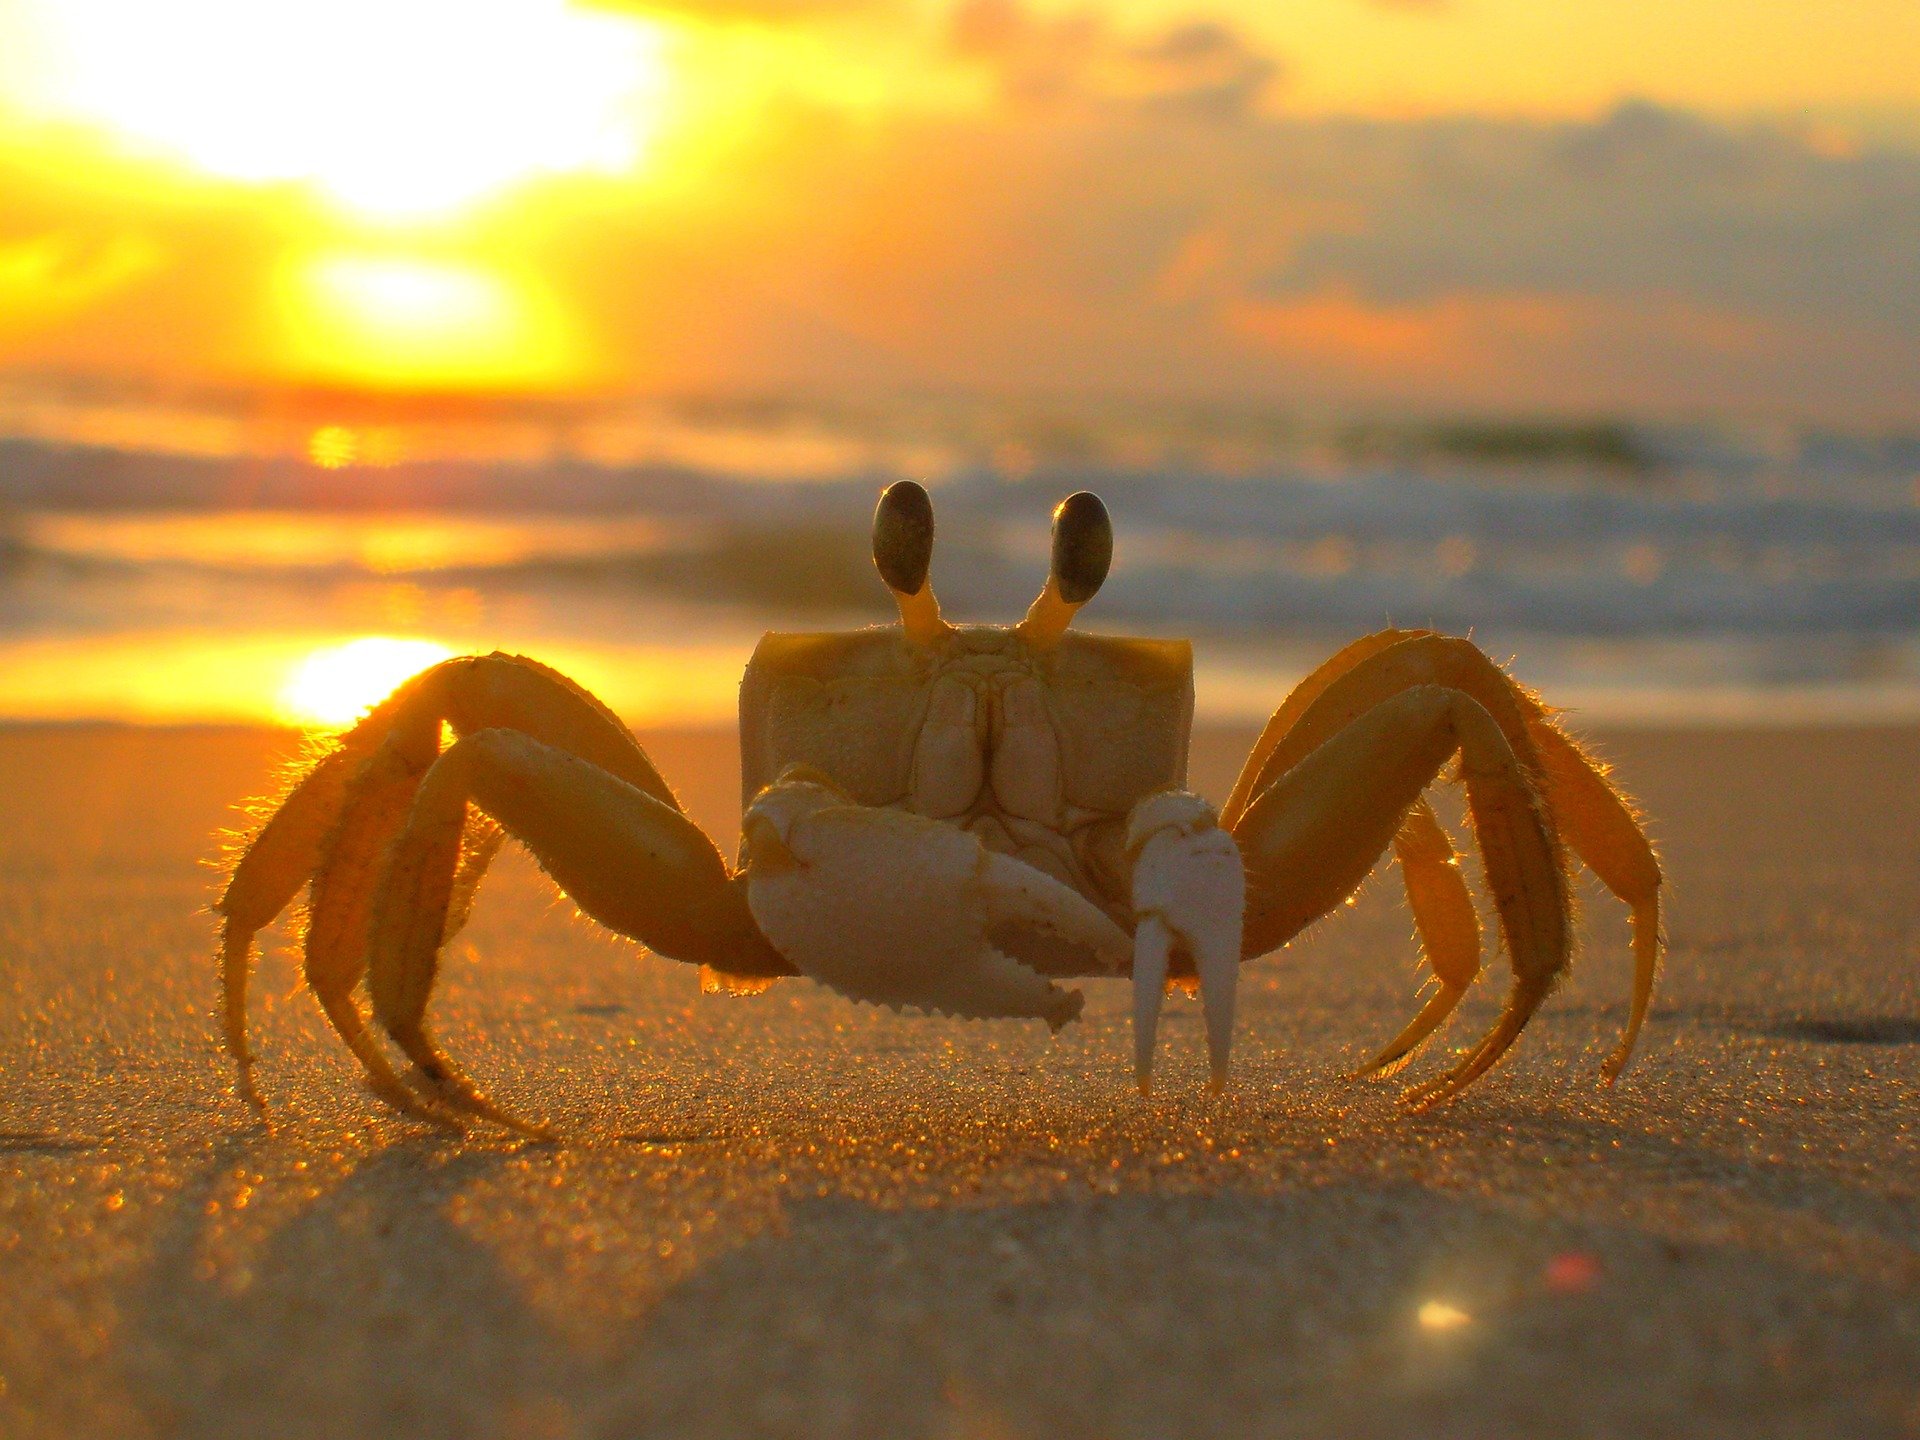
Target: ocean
x: 1634, y: 574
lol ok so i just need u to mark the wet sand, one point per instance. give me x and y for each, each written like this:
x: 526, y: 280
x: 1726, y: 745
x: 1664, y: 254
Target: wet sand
x: 792, y: 1216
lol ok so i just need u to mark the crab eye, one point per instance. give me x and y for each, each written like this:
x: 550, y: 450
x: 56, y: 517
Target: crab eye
x: 903, y: 537
x: 1082, y: 546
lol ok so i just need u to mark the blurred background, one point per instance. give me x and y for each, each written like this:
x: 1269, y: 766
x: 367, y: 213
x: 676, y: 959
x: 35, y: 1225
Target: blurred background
x: 336, y: 337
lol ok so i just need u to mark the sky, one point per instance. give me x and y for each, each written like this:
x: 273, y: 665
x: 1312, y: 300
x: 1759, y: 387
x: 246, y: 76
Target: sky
x: 1498, y: 206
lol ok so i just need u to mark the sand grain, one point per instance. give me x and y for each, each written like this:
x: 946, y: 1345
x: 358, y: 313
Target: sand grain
x: 791, y: 1216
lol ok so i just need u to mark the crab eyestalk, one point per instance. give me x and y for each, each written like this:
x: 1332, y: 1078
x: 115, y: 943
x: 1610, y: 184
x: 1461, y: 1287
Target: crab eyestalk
x: 903, y: 553
x: 1082, y: 555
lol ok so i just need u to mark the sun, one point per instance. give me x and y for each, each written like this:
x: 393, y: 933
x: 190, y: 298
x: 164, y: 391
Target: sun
x: 334, y: 686
x: 399, y: 320
x: 394, y: 109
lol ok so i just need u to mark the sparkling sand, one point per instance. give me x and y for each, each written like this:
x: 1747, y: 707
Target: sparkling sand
x: 792, y: 1216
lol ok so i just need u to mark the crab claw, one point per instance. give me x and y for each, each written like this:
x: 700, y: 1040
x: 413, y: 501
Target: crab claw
x: 896, y: 909
x: 1189, y: 892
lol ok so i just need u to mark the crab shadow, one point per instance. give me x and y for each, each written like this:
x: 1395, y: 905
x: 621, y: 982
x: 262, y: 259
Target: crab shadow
x: 1344, y: 1310
x: 1345, y: 1307
x: 339, y: 1317
x: 1865, y: 1030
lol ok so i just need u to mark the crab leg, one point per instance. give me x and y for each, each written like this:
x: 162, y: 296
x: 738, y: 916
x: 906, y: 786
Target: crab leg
x: 340, y: 900
x: 1312, y: 835
x: 1596, y: 821
x: 1253, y: 776
x: 1448, y: 924
x: 280, y: 859
x: 1437, y: 893
x: 319, y: 819
x: 481, y: 843
x: 1421, y: 658
x: 336, y: 824
x: 1602, y: 830
x: 626, y: 859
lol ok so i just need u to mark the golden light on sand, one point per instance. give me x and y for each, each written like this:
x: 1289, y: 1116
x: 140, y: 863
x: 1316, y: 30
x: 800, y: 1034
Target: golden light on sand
x: 335, y: 686
x: 396, y: 319
x: 1438, y: 1315
x: 393, y: 108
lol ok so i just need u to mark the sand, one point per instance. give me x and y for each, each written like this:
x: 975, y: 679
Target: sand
x: 792, y: 1216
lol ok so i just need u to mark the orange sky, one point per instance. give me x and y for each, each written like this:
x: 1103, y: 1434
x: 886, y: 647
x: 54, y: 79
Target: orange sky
x: 1489, y: 204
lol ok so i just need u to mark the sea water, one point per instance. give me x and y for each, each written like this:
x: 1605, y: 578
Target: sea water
x: 1661, y: 574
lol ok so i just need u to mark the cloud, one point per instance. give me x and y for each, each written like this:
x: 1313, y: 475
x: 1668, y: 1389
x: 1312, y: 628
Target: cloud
x: 1196, y: 70
x: 1202, y: 69
x: 1642, y: 201
x: 48, y: 277
x: 1647, y: 260
x: 1511, y: 348
x: 1097, y: 228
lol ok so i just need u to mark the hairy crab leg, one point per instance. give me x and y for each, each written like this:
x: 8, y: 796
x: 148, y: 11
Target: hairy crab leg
x: 1600, y: 826
x: 1421, y: 659
x: 1449, y: 929
x: 630, y: 862
x: 282, y: 856
x: 324, y: 812
x: 1312, y: 835
x: 481, y: 843
x: 1437, y: 894
x: 1597, y: 822
x: 344, y: 1014
x: 1299, y: 699
x: 340, y: 899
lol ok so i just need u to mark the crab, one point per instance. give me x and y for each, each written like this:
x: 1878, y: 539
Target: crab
x: 955, y: 819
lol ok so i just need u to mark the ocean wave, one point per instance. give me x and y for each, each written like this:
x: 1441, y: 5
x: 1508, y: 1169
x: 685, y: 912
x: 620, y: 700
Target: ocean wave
x: 1681, y: 541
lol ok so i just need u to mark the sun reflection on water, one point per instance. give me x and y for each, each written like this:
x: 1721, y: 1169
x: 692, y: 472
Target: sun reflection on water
x: 323, y: 679
x: 383, y: 543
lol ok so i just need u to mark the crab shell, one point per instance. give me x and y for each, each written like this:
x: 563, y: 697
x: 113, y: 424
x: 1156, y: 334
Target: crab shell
x: 1040, y: 750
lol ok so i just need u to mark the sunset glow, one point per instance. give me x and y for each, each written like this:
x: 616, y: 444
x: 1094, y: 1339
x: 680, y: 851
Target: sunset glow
x: 390, y: 320
x: 1589, y: 208
x: 322, y: 680
x: 335, y: 686
x: 392, y: 108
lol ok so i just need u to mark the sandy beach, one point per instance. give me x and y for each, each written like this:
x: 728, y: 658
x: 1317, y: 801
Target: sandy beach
x: 792, y: 1216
